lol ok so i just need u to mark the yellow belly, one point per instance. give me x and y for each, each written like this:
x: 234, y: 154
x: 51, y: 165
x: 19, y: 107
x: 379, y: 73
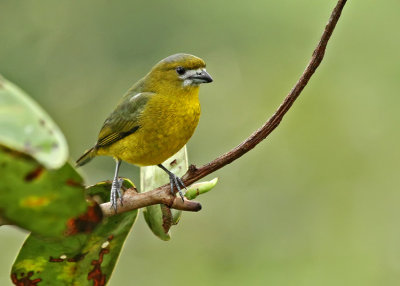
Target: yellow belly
x: 166, y: 125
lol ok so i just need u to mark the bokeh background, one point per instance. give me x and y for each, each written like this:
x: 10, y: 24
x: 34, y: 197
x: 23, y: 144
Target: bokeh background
x: 317, y: 203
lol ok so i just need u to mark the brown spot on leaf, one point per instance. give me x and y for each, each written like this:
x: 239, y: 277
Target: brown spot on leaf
x: 52, y: 259
x: 166, y: 217
x: 86, y: 222
x: 42, y: 122
x: 34, y: 174
x: 173, y: 163
x: 73, y: 183
x: 77, y: 257
x: 25, y: 280
x: 99, y: 279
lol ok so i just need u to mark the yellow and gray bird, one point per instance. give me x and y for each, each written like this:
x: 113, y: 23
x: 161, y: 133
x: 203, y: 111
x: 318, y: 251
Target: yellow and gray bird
x: 154, y: 119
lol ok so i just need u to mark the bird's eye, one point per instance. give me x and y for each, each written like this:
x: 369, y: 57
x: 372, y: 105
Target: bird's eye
x: 180, y: 70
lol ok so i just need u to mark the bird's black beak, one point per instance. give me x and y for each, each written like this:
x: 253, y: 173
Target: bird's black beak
x: 201, y: 77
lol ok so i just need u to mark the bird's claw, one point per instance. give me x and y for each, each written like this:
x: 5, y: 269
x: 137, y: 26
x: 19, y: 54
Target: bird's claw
x: 116, y: 187
x: 177, y: 182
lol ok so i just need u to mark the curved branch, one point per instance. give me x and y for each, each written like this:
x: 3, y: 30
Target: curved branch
x: 160, y: 194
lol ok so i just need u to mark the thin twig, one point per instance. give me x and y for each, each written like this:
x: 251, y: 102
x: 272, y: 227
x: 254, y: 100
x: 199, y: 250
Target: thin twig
x: 162, y: 194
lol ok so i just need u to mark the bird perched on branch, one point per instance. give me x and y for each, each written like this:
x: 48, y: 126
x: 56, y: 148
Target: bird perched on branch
x: 154, y: 119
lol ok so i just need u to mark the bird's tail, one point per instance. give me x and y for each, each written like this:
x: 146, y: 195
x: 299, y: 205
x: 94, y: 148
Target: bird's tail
x: 85, y: 158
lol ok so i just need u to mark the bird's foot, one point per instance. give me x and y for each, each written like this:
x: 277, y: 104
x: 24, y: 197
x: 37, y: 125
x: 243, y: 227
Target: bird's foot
x: 116, y: 187
x: 177, y: 182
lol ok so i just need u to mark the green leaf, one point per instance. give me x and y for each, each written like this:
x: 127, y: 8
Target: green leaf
x: 82, y: 259
x: 160, y: 218
x: 200, y: 188
x: 26, y: 127
x: 38, y: 199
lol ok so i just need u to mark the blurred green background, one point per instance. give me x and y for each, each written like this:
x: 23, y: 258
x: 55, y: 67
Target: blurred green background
x: 314, y: 204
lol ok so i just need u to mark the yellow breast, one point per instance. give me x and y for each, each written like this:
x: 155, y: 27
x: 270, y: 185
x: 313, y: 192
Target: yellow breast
x: 167, y: 123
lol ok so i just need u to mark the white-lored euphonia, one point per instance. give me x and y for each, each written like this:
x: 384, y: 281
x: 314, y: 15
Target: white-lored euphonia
x: 154, y: 119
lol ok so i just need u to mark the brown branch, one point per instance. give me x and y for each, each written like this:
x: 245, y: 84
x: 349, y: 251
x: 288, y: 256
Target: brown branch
x: 162, y: 194
x: 134, y: 200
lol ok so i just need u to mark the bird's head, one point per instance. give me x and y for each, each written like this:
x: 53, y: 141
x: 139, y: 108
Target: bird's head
x: 179, y: 71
